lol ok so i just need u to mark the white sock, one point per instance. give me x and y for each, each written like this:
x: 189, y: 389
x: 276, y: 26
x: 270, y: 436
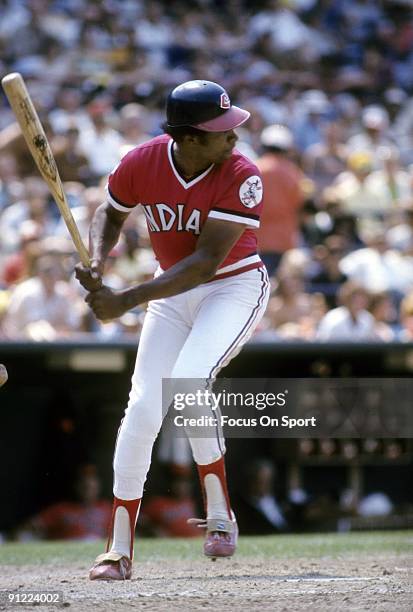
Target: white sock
x: 121, y: 532
x: 216, y: 503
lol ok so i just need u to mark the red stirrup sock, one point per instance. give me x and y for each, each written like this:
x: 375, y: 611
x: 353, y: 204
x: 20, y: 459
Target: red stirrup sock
x: 214, y: 489
x: 122, y: 527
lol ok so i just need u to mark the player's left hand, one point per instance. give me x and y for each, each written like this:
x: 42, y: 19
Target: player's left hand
x: 90, y: 278
x: 107, y: 303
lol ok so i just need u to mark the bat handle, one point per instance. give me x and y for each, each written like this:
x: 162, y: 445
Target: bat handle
x: 83, y: 253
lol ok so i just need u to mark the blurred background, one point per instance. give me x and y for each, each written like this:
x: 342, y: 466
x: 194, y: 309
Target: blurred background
x: 328, y: 85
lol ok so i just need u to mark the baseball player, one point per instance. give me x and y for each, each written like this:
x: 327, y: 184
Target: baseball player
x: 202, y: 200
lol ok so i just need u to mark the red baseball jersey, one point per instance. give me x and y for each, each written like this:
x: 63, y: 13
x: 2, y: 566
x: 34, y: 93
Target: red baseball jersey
x: 176, y: 209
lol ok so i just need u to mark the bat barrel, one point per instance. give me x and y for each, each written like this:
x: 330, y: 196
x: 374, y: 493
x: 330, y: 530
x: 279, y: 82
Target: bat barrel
x: 33, y: 132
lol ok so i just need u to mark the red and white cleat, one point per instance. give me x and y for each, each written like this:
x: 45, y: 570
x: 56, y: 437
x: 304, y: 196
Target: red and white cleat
x: 221, y: 536
x: 111, y: 566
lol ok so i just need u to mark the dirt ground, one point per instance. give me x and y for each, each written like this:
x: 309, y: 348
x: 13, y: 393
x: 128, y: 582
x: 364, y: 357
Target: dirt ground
x: 376, y: 584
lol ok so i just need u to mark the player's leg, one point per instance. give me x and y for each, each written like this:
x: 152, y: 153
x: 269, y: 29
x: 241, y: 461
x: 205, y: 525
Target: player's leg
x: 225, y: 315
x: 163, y: 334
x: 162, y: 337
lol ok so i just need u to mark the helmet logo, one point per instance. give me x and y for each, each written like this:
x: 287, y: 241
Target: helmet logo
x: 225, y: 101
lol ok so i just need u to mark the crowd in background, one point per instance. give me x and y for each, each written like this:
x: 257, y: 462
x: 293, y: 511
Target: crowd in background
x: 329, y: 88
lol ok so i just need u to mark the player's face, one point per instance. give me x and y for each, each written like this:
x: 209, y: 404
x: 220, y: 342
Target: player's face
x: 218, y: 146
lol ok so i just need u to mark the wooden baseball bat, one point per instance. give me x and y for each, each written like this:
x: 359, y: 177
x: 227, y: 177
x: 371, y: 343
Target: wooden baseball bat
x: 33, y: 132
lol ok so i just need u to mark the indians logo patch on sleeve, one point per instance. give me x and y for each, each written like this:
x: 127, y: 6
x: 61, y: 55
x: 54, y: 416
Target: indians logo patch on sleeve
x: 250, y: 192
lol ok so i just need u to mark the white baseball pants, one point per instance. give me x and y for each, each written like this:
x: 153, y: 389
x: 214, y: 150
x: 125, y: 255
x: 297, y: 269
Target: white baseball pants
x: 191, y: 335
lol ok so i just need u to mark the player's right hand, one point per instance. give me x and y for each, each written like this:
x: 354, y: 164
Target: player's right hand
x: 90, y: 278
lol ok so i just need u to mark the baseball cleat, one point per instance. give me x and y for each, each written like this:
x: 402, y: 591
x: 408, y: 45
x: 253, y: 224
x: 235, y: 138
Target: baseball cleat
x: 111, y: 566
x: 221, y: 536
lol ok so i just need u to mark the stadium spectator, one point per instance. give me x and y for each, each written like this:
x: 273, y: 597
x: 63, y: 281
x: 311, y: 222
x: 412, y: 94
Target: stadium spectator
x: 295, y: 263
x: 19, y: 265
x: 350, y: 321
x: 375, y: 123
x: 259, y: 509
x: 309, y: 130
x: 134, y: 262
x: 13, y: 142
x: 68, y: 111
x: 329, y: 278
x: 406, y: 319
x: 8, y: 178
x: 400, y: 236
x: 351, y: 189
x: 290, y: 40
x: 34, y: 207
x: 391, y: 185
x: 384, y: 312
x: 132, y: 126
x: 375, y: 504
x: 323, y: 511
x: 100, y: 143
x: 167, y: 515
x: 376, y: 267
x: 71, y: 161
x: 292, y: 313
x: 42, y: 307
x: 403, y: 129
x: 325, y: 160
x: 315, y: 225
x: 88, y: 200
x: 283, y: 196
x: 86, y: 518
x: 153, y: 31
x: 334, y: 221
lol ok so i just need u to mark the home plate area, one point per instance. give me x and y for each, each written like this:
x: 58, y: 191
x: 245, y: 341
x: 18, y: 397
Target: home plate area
x: 371, y: 583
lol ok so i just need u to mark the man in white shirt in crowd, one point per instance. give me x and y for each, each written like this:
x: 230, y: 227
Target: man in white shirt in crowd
x: 351, y: 321
x: 377, y: 267
x: 100, y: 142
x: 42, y: 308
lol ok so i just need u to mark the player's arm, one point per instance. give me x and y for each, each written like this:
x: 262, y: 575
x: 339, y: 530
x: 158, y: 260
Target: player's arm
x: 109, y: 218
x: 215, y: 242
x: 104, y: 234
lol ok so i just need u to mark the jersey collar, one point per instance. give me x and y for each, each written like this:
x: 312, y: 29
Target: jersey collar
x: 185, y: 184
